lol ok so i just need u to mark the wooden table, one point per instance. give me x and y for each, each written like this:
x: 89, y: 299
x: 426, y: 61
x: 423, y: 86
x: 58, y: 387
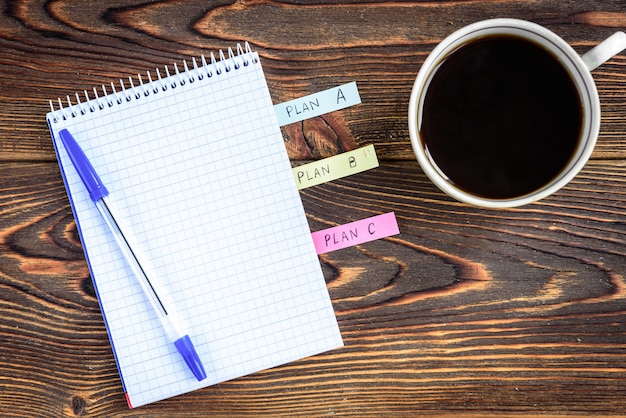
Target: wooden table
x: 467, y: 311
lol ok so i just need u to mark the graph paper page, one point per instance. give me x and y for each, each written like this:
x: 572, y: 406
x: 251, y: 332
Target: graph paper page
x: 200, y: 177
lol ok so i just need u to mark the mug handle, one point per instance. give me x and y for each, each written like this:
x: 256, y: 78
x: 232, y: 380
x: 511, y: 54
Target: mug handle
x: 605, y: 50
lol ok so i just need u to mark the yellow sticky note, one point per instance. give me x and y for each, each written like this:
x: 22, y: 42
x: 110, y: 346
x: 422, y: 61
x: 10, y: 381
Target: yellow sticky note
x: 335, y: 167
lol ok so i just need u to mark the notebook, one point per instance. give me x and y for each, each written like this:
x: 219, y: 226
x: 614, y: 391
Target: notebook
x: 196, y: 165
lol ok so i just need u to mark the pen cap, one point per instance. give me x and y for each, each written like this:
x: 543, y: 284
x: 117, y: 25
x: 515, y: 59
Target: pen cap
x: 186, y: 349
x: 85, y: 170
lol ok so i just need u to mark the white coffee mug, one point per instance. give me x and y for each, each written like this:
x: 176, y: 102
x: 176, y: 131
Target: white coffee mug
x: 579, y: 69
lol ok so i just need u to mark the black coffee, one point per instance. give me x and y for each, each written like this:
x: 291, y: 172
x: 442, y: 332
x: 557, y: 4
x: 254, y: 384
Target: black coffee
x: 501, y: 117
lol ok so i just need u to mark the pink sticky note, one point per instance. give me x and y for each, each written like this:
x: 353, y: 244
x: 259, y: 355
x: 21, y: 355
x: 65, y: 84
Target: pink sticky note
x: 355, y: 233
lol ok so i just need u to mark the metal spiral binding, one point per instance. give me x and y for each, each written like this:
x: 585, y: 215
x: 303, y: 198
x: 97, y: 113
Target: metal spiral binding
x: 169, y: 81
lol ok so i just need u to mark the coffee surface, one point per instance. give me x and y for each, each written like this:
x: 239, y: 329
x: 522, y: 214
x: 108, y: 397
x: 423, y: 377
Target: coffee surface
x: 501, y: 117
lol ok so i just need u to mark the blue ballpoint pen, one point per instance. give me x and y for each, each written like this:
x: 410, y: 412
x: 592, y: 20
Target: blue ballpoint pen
x: 98, y: 193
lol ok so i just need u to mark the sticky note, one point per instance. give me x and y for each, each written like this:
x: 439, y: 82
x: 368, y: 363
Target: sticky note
x: 317, y: 104
x: 335, y: 167
x: 355, y: 233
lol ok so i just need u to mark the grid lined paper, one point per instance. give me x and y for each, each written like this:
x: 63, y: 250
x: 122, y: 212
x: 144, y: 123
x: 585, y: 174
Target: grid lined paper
x: 200, y: 177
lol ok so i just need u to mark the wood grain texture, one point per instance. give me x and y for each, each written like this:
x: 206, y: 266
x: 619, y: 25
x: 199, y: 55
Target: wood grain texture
x: 466, y: 311
x: 53, y: 49
x: 518, y: 311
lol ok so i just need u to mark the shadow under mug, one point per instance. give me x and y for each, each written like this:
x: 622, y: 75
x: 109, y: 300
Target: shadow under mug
x: 579, y: 70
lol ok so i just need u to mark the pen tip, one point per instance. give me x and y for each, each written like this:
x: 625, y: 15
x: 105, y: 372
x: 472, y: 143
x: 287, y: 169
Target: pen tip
x: 186, y: 349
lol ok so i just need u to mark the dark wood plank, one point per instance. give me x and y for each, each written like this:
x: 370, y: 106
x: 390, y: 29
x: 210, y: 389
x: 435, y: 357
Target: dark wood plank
x: 467, y: 310
x: 54, y: 49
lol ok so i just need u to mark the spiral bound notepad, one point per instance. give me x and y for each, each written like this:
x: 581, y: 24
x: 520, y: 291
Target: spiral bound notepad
x: 196, y: 164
